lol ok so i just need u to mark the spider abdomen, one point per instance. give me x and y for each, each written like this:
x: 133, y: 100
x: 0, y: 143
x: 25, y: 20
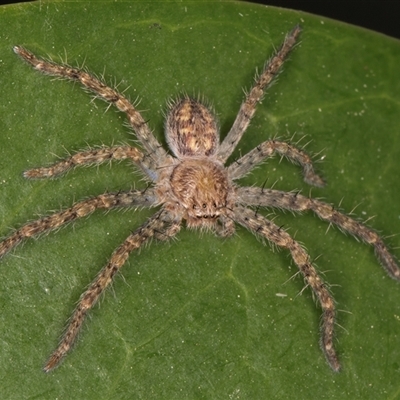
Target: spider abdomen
x: 191, y: 129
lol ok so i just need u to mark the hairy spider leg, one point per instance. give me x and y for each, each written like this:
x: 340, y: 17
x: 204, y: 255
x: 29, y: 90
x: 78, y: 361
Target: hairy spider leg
x: 267, y: 149
x: 273, y: 233
x: 94, y: 156
x: 154, y: 149
x: 296, y: 202
x: 248, y: 107
x: 159, y: 226
x: 132, y: 198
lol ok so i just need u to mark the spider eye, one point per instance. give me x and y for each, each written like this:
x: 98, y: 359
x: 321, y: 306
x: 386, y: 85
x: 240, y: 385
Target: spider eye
x: 204, y: 205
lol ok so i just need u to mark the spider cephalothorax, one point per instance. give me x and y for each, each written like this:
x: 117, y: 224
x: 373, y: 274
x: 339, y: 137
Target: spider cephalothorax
x: 201, y: 189
x: 195, y: 186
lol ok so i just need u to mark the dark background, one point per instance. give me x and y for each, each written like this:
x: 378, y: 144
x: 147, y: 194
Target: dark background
x: 378, y: 15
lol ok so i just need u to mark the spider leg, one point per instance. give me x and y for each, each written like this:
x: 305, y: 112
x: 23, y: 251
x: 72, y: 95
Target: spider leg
x: 106, y: 201
x: 225, y: 226
x: 273, y: 233
x: 248, y: 107
x: 95, y: 156
x: 161, y: 226
x: 296, y: 202
x: 266, y: 149
x: 101, y: 90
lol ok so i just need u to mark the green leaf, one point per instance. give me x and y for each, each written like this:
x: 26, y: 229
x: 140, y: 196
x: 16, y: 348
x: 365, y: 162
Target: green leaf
x: 199, y: 317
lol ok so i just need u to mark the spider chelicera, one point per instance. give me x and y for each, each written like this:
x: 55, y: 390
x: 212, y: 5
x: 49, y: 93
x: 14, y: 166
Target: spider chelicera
x: 194, y: 186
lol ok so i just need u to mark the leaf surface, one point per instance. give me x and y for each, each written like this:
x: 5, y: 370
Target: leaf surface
x: 199, y: 317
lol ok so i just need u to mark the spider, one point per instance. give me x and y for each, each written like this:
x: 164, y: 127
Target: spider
x: 194, y: 186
